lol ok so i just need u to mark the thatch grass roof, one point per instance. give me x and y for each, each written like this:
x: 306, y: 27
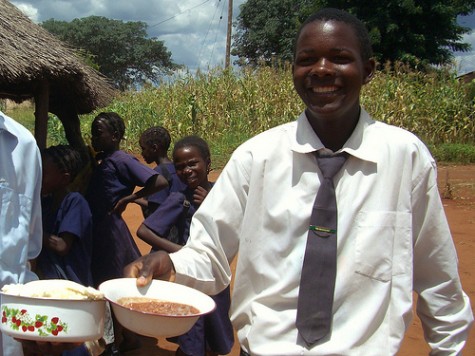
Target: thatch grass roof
x: 30, y: 55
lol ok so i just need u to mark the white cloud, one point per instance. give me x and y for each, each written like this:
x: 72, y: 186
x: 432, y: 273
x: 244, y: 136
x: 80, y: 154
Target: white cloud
x: 465, y: 61
x: 29, y: 10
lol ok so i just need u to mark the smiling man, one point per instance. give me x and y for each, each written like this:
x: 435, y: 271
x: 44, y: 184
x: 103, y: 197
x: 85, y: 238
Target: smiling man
x: 393, y: 236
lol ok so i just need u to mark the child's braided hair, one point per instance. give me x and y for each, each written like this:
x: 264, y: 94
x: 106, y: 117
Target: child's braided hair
x: 66, y: 158
x: 157, y: 135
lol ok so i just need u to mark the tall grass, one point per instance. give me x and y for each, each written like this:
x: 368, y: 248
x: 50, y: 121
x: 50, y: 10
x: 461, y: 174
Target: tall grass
x: 227, y: 107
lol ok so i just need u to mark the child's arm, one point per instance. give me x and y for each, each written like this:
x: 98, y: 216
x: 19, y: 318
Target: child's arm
x: 141, y: 202
x: 156, y: 241
x: 60, y: 244
x: 153, y: 184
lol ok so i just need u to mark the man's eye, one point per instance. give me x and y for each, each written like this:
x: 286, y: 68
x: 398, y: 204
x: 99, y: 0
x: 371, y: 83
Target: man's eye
x: 305, y: 60
x: 341, y: 59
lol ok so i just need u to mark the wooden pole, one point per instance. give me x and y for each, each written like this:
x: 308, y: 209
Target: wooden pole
x: 228, y: 36
x: 41, y: 114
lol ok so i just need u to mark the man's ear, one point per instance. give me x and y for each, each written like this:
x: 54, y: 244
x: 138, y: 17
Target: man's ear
x: 369, y: 68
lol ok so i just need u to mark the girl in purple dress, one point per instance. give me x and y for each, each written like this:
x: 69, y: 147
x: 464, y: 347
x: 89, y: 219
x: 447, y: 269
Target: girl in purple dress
x: 213, y: 333
x: 111, y: 188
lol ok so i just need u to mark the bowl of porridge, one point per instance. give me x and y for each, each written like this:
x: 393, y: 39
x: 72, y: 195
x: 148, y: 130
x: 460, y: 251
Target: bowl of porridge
x: 53, y: 311
x: 160, y: 309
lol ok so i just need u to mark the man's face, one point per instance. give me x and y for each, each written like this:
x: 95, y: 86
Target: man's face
x: 329, y: 71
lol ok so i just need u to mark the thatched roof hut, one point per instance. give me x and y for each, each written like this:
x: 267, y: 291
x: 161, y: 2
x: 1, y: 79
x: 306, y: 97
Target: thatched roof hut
x: 35, y: 64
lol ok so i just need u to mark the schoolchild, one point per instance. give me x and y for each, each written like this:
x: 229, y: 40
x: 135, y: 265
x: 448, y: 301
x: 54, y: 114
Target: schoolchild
x: 67, y: 220
x: 111, y: 188
x: 67, y: 225
x: 393, y: 238
x: 155, y: 143
x: 213, y: 333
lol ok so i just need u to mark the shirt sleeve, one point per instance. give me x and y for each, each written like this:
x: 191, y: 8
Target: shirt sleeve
x: 166, y: 215
x: 133, y: 170
x: 75, y: 216
x: 442, y: 306
x: 36, y: 223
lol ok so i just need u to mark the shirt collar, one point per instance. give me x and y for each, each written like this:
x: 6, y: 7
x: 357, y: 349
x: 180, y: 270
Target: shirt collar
x: 5, y: 124
x: 306, y: 140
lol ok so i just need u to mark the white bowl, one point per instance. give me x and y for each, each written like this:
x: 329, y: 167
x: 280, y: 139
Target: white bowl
x: 51, y: 319
x: 155, y: 325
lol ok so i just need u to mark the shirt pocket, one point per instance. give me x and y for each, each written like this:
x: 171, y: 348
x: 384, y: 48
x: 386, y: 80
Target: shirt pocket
x: 14, y: 223
x: 383, y: 244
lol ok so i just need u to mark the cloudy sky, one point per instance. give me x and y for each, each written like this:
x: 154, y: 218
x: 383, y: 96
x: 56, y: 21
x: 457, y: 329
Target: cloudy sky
x: 193, y: 30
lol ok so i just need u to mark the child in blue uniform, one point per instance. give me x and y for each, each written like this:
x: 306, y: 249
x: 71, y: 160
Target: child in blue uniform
x: 213, y: 333
x: 67, y: 220
x: 111, y: 188
x: 67, y: 224
x: 155, y: 142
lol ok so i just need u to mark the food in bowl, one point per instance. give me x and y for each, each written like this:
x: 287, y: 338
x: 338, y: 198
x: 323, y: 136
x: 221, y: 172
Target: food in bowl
x: 155, y: 324
x: 52, y: 310
x: 156, y: 306
x: 53, y: 288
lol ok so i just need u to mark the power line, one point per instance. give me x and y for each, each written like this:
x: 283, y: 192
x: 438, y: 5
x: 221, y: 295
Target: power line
x: 207, y: 33
x: 216, y: 36
x: 182, y: 12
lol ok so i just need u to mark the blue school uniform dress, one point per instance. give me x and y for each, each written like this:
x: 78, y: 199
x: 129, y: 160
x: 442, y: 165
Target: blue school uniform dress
x: 213, y: 331
x: 116, y: 176
x: 167, y: 170
x: 73, y: 216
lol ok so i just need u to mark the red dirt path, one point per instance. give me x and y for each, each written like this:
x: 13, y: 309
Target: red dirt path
x: 457, y: 183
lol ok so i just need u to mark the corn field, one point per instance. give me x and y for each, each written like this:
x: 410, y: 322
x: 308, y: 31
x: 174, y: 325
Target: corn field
x: 228, y: 107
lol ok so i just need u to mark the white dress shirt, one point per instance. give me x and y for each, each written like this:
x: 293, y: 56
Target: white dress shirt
x: 393, y: 238
x: 20, y: 210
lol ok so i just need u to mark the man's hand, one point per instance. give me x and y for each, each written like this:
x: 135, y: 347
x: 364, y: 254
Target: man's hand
x: 156, y: 265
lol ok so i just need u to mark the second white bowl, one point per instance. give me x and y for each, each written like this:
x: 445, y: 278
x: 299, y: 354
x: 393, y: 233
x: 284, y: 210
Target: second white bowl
x: 155, y: 325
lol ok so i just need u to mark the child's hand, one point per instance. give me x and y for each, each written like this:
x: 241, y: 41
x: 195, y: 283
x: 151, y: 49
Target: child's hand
x: 56, y: 243
x: 119, y: 208
x: 199, y: 195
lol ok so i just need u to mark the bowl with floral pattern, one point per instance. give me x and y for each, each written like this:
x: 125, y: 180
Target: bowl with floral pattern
x: 53, y: 311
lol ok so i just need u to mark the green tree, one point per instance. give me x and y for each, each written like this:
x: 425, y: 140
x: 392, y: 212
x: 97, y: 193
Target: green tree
x: 413, y: 31
x: 120, y: 49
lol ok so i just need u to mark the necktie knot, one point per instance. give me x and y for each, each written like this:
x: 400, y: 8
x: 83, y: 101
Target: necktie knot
x: 331, y: 164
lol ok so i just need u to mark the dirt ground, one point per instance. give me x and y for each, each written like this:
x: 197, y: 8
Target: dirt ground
x: 457, y: 186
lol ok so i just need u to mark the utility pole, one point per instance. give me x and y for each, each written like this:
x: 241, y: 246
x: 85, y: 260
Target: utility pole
x: 228, y: 36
